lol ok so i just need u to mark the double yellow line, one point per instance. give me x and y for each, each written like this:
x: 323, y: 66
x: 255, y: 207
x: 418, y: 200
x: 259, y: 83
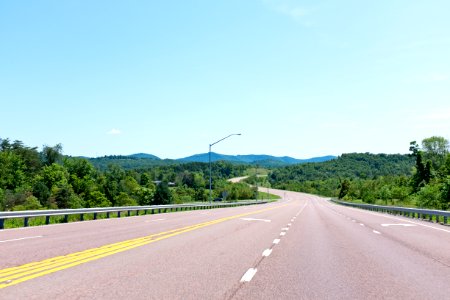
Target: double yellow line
x: 16, y: 275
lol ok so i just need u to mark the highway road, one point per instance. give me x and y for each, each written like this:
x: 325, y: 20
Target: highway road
x: 301, y: 247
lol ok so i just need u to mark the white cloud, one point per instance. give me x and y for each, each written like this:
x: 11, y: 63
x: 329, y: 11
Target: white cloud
x: 114, y: 131
x: 294, y: 11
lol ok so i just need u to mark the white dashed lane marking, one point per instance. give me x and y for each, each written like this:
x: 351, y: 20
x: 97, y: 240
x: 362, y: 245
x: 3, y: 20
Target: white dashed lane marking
x: 248, y: 276
x: 398, y: 224
x: 156, y: 220
x: 20, y: 239
x: 252, y: 219
x: 267, y: 252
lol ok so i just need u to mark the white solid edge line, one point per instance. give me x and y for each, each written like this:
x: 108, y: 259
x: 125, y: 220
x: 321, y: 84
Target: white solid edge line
x: 20, y: 239
x: 249, y: 275
x: 276, y: 241
x: 267, y: 252
x: 399, y: 219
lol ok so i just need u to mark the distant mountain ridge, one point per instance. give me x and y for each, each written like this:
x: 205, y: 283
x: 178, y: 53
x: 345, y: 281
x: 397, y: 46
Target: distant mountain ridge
x: 144, y: 155
x: 253, y: 158
x: 142, y: 160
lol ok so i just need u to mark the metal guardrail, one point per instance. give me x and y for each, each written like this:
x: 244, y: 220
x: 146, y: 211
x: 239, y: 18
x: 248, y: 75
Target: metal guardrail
x: 27, y: 214
x: 424, y: 214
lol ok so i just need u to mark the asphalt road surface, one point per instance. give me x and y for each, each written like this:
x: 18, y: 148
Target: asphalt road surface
x: 301, y: 247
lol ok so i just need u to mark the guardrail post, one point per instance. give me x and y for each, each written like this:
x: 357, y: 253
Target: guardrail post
x: 66, y: 218
x: 107, y: 214
x: 118, y: 214
x: 129, y: 213
x: 47, y: 220
x: 25, y: 222
x: 95, y: 216
x: 2, y: 223
x: 81, y: 217
x: 445, y: 220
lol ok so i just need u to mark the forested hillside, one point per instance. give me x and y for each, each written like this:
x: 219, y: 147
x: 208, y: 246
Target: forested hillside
x: 32, y: 179
x: 128, y: 162
x: 354, y: 165
x: 421, y: 178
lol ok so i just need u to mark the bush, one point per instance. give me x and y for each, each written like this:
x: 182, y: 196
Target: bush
x: 429, y: 196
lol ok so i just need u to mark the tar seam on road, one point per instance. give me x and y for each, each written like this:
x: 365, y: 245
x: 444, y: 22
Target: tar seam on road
x: 16, y: 275
x: 248, y: 276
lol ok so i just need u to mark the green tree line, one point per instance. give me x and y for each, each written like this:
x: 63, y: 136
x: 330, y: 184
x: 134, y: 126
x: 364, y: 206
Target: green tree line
x: 32, y: 179
x: 419, y: 179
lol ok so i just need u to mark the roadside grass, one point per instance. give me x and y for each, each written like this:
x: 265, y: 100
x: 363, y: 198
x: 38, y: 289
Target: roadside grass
x: 267, y: 196
x: 259, y: 171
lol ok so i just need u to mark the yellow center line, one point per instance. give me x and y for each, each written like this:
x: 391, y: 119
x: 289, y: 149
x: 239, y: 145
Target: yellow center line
x: 15, y: 275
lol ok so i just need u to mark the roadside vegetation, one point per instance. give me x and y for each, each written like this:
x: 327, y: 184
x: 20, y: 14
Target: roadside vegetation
x: 418, y: 179
x: 46, y: 179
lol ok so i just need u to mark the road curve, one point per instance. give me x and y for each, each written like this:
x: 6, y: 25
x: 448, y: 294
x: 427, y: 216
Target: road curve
x: 301, y: 247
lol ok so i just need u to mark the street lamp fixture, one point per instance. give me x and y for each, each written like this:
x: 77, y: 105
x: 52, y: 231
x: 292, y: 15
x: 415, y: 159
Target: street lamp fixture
x: 210, y: 178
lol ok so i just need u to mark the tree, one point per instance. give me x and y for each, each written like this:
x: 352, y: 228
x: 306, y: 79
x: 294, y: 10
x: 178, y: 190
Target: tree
x: 54, y: 174
x: 97, y: 199
x: 422, y: 175
x: 124, y: 200
x: 2, y: 200
x: 162, y: 194
x: 414, y: 148
x: 435, y: 149
x: 12, y: 170
x: 146, y: 194
x: 345, y: 188
x: 145, y: 179
x: 446, y: 193
x: 51, y: 155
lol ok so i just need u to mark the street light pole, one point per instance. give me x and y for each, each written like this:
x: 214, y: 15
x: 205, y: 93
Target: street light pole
x: 210, y: 178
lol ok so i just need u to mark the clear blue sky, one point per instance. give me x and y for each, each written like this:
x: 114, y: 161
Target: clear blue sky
x: 297, y: 78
